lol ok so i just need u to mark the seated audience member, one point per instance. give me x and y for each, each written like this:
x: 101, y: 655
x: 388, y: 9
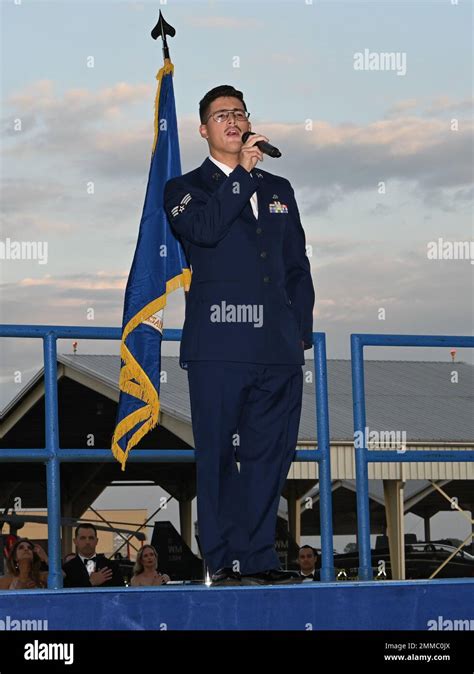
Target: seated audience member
x: 308, y: 563
x: 87, y: 569
x: 145, y: 571
x: 24, y: 567
x: 68, y: 557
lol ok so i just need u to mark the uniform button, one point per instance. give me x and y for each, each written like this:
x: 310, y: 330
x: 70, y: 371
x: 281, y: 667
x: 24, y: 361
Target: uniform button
x: 266, y: 279
x: 263, y: 253
x: 259, y: 230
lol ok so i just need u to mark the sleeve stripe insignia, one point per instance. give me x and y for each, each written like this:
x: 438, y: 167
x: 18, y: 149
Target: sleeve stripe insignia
x: 176, y: 210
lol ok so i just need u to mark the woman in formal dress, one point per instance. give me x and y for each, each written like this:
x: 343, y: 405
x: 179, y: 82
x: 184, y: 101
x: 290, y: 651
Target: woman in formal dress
x: 23, y: 567
x: 145, y: 571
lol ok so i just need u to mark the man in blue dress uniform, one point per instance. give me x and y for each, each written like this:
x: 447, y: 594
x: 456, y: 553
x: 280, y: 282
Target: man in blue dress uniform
x: 249, y: 318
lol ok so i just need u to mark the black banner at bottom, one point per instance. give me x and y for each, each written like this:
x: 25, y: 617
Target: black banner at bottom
x: 56, y: 651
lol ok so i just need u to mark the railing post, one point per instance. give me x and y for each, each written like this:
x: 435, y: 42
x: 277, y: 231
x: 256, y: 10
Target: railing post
x: 53, y: 483
x: 361, y: 467
x: 324, y: 445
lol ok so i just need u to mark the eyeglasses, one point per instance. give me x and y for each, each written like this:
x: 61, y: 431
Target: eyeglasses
x: 223, y: 115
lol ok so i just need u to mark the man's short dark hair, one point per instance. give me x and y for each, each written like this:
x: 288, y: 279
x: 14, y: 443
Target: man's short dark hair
x: 217, y: 92
x: 310, y: 547
x: 85, y: 525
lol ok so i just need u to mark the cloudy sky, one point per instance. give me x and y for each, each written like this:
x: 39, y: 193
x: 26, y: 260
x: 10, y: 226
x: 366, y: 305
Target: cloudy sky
x: 380, y: 158
x: 379, y: 167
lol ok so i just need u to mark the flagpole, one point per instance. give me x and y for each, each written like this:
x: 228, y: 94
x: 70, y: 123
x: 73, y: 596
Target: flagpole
x: 146, y: 294
x: 162, y: 29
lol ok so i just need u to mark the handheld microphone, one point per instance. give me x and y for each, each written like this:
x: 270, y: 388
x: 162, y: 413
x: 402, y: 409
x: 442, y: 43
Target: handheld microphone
x: 266, y: 148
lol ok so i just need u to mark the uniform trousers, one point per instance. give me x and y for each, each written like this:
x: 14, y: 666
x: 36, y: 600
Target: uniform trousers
x: 245, y: 420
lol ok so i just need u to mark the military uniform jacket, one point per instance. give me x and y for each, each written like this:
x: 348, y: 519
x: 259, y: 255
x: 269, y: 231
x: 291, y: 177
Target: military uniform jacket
x: 251, y: 297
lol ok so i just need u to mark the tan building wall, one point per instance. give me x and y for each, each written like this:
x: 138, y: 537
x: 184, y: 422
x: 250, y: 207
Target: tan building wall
x: 343, y: 465
x: 108, y: 541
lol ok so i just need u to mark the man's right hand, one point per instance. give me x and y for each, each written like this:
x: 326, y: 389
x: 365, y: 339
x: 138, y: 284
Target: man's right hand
x: 100, y: 577
x: 250, y: 154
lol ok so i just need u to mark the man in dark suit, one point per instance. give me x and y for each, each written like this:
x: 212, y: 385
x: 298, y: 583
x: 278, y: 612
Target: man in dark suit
x: 86, y: 569
x: 308, y: 563
x: 248, y: 320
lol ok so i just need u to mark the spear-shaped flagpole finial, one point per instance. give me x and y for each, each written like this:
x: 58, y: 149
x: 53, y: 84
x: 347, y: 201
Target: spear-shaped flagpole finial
x: 163, y: 29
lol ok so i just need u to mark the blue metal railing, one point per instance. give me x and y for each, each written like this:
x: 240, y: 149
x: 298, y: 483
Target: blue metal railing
x: 362, y: 455
x: 52, y: 455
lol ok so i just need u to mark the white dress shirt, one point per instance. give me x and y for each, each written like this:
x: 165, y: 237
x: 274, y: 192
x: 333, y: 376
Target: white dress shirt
x: 307, y: 576
x: 88, y: 563
x: 227, y: 170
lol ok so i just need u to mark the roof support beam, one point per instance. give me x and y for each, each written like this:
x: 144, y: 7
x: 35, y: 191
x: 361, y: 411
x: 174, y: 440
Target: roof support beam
x: 393, y: 493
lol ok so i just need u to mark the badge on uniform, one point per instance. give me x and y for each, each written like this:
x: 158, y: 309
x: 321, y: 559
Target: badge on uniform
x: 278, y: 207
x: 176, y: 210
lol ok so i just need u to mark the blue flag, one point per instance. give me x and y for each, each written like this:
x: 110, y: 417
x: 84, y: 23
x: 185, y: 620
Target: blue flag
x: 158, y: 267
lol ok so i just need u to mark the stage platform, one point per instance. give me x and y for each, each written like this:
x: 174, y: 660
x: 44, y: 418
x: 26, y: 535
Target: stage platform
x: 376, y: 605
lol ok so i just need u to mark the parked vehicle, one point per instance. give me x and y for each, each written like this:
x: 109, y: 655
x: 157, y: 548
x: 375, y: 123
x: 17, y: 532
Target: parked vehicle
x: 421, y: 560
